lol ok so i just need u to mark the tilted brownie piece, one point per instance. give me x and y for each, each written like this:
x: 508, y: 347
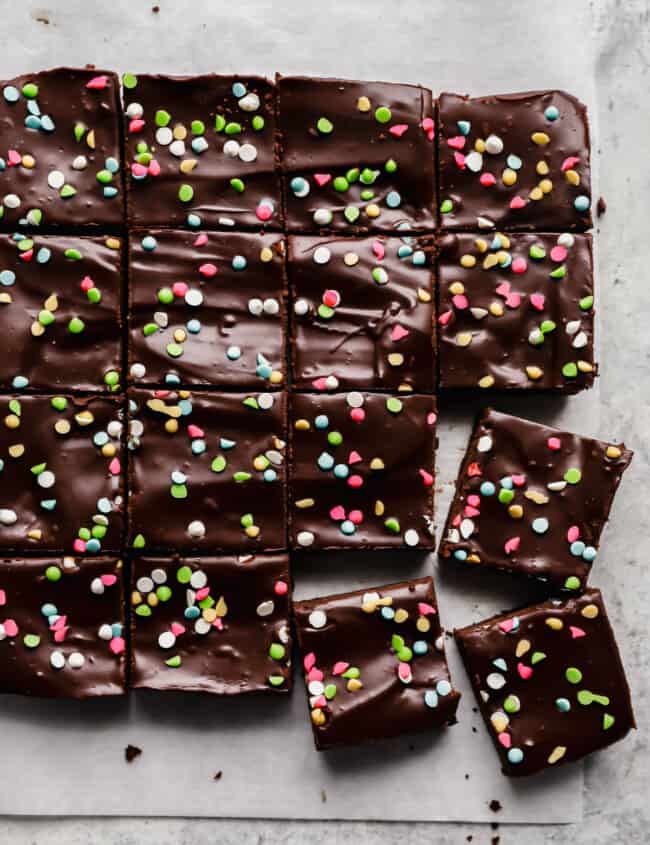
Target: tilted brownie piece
x: 516, y: 311
x: 361, y: 470
x: 62, y: 627
x: 356, y: 155
x: 60, y: 148
x: 532, y: 500
x: 60, y: 465
x: 207, y: 308
x: 549, y: 682
x: 211, y: 624
x: 514, y: 161
x: 363, y: 313
x: 60, y: 312
x: 201, y: 151
x: 207, y: 471
x: 374, y: 664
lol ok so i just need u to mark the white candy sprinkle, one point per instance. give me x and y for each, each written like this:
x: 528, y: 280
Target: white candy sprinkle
x: 305, y: 538
x: 231, y: 148
x: 322, y: 255
x: 265, y: 608
x: 164, y: 136
x: 247, y: 152
x: 105, y: 632
x: 7, y: 517
x: 572, y: 326
x: 580, y: 340
x: 255, y: 306
x: 474, y: 161
x: 316, y: 688
x: 495, y: 680
x: 55, y: 179
x: 198, y: 579
x: 76, y: 660
x: 453, y: 536
x: 493, y: 145
x: 271, y: 306
x: 136, y: 428
x: 79, y: 163
x: 354, y: 399
x: 45, y: 479
x: 144, y: 584
x: 158, y: 576
x: 11, y: 201
x: 370, y: 598
x: 196, y: 529
x: 466, y: 528
x: 138, y: 370
x: 114, y: 428
x: 411, y: 537
x: 484, y: 223
x: 566, y: 239
x: 166, y: 640
x: 97, y: 587
x: 318, y: 619
x: 250, y: 102
x: 322, y: 216
x: 177, y: 148
x: 556, y: 486
x: 301, y: 307
x: 3, y: 633
x: 202, y: 627
x: 57, y: 660
x: 194, y: 297
x: 440, y: 643
x: 283, y: 634
x: 478, y: 313
x: 161, y: 318
x: 484, y: 443
x: 134, y: 110
x: 331, y: 382
x: 265, y: 401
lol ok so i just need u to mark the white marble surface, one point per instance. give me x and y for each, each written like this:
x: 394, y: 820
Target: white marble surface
x: 616, y: 790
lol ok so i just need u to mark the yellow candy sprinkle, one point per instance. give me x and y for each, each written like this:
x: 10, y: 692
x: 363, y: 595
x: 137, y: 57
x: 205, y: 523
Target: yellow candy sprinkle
x: 266, y: 254
x: 456, y: 288
x: 496, y: 309
x: 252, y: 531
x: 350, y: 259
x: 523, y: 646
x: 180, y: 336
x: 373, y: 210
x: 424, y: 295
x: 305, y: 503
x: 62, y: 427
x: 113, y: 243
x: 379, y: 508
x: 572, y: 177
x: 479, y: 145
x: 516, y: 511
x: 37, y: 329
x: 364, y: 104
x: 486, y: 381
x: 546, y: 186
x: 84, y: 418
x: 51, y: 303
x: 276, y: 377
x: 536, y: 194
x: 490, y: 261
x: 376, y: 463
x: 35, y: 534
x: 404, y: 388
x: 171, y: 426
x: 557, y: 754
x: 221, y: 608
x: 534, y: 373
x: 12, y: 421
x: 260, y: 463
x: 467, y: 260
x: 17, y: 450
x: 136, y: 598
x: 540, y: 138
x: 423, y: 625
x: 152, y: 600
x: 509, y: 177
x: 481, y: 244
x: 499, y: 721
x: 473, y: 558
x: 396, y: 359
x: 29, y: 162
x: 401, y: 615
x: 463, y: 338
x: 354, y: 685
x: 534, y: 496
x: 554, y: 623
x: 108, y: 450
x: 5, y: 299
x: 613, y: 452
x: 585, y: 367
x: 209, y: 614
x: 542, y: 168
x: 590, y: 611
x: 318, y: 717
x: 179, y: 132
x: 90, y: 139
x: 302, y: 425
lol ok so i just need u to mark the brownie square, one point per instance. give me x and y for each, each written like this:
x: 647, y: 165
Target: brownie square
x: 60, y: 312
x: 61, y: 471
x: 374, y: 664
x: 211, y: 624
x: 201, y: 151
x: 516, y: 311
x: 532, y: 500
x: 60, y: 142
x: 207, y: 308
x: 514, y: 161
x: 361, y: 471
x: 363, y: 313
x: 356, y: 156
x: 62, y: 627
x: 212, y: 466
x: 549, y: 682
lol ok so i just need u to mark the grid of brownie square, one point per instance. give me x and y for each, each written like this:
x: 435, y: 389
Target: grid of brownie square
x: 211, y: 624
x: 532, y: 500
x: 549, y: 682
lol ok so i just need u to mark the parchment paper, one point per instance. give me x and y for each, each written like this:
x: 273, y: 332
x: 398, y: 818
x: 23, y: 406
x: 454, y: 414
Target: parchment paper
x: 68, y: 757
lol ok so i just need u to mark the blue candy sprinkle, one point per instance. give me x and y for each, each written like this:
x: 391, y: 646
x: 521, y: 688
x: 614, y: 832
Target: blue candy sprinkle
x: 199, y: 145
x: 321, y: 421
x: 487, y: 489
x: 299, y: 186
x: 48, y: 504
x: 11, y: 94
x: 100, y: 438
x: 7, y: 278
x: 239, y: 262
x: 47, y: 124
x: 32, y: 121
x: 112, y: 164
x: 185, y: 406
x: 149, y: 243
x: 93, y: 545
x: 507, y: 482
x: 109, y: 192
x: 198, y: 447
x: 233, y: 353
x: 443, y: 688
x: 49, y: 610
x: 563, y: 704
x: 589, y: 554
x: 540, y: 525
x: 224, y: 443
x: 460, y: 554
x: 464, y: 126
x: 420, y: 647
x: 500, y: 663
x: 393, y: 199
x: 431, y: 699
x: 581, y: 203
x: 172, y: 378
x: 514, y: 162
x: 325, y: 461
x: 104, y: 505
x: 577, y: 548
x: 238, y: 90
x: 193, y: 326
x: 341, y: 471
x: 419, y: 258
x: 116, y: 629
x: 404, y: 251
x: 193, y: 221
x: 43, y: 255
x: 33, y: 107
x: 348, y: 527
x: 387, y: 613
x: 515, y: 755
x: 270, y: 475
x: 192, y: 613
x: 19, y: 382
x: 552, y: 113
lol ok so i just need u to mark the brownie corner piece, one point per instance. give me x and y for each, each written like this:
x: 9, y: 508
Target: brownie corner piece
x: 211, y: 624
x: 532, y: 500
x: 374, y: 664
x: 214, y: 464
x: 62, y: 468
x: 61, y: 312
x: 62, y: 627
x: 549, y: 682
x: 361, y: 470
x: 201, y: 151
x: 207, y: 308
x: 514, y: 161
x: 60, y: 130
x: 356, y: 156
x: 516, y: 311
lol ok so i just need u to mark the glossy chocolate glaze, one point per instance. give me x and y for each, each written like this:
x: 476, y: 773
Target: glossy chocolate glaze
x: 350, y: 630
x: 479, y: 526
x: 249, y: 600
x: 230, y: 431
x: 357, y: 140
x: 82, y: 510
x: 518, y: 664
x: 491, y: 314
x: 92, y: 114
x: 381, y: 334
x: 514, y: 119
x: 86, y: 618
x: 216, y: 203
x: 240, y: 309
x: 379, y: 488
x: 50, y: 281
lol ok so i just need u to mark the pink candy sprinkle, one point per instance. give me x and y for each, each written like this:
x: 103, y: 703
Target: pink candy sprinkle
x: 340, y: 667
x: 3, y: 598
x: 429, y: 127
x: 11, y: 629
x: 202, y: 593
x: 117, y: 645
x: 309, y: 661
x: 322, y: 179
x: 558, y: 253
x: 319, y: 701
x: 108, y: 580
x: 97, y: 83
x: 398, y: 332
x: 337, y: 513
x: 180, y: 289
x: 573, y: 534
x: 517, y: 202
x: 79, y: 545
x: 460, y: 301
x: 60, y: 635
x: 14, y: 158
x: 136, y: 124
x: 354, y: 457
x: 378, y: 250
x: 576, y: 632
x: 114, y: 466
x: 459, y: 158
x: 195, y: 431
x: 331, y: 298
x: 507, y: 625
x: 177, y: 629
x: 320, y: 383
x: 427, y: 478
x: 537, y: 300
x: 445, y: 317
x: 208, y: 270
x: 554, y: 443
x: 519, y: 265
x: 315, y: 675
x: 474, y: 500
x: 518, y: 479
x: 201, y: 239
x: 525, y: 672
x: 355, y: 481
x: 154, y: 168
x: 471, y: 512
x: 404, y: 672
x: 505, y: 740
x: 425, y: 609
x: 398, y: 129
x: 569, y: 163
x: 357, y: 415
x: 263, y: 212
x: 138, y: 170
x: 27, y: 256
x: 87, y: 283
x: 487, y: 180
x: 457, y: 142
x: 281, y: 588
x: 356, y: 517
x: 431, y: 418
x: 512, y: 545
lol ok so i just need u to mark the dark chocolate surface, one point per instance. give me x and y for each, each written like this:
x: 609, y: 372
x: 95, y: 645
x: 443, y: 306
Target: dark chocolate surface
x: 60, y: 312
x: 201, y: 152
x: 61, y: 627
x: 532, y: 500
x: 361, y: 471
x: 60, y: 465
x: 514, y: 161
x: 516, y: 311
x: 207, y: 308
x: 549, y: 682
x: 356, y: 155
x: 207, y: 471
x: 60, y: 150
x: 374, y: 664
x: 218, y: 625
x: 363, y: 313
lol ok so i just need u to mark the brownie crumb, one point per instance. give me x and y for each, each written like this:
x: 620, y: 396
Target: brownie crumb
x: 131, y: 752
x: 601, y: 207
x: 218, y: 775
x: 323, y: 796
x: 155, y: 9
x: 495, y: 840
x: 495, y: 805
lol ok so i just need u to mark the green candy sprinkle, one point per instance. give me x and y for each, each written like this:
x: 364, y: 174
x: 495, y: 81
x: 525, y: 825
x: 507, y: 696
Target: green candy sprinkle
x: 183, y: 575
x: 390, y: 166
x: 547, y: 326
x: 149, y: 329
x: 185, y: 193
x: 173, y: 662
x: 351, y: 673
x: 351, y: 213
x: 197, y: 127
x: 139, y: 541
x: 277, y: 651
x: 104, y: 176
x: 405, y: 654
x: 45, y: 317
x: 59, y: 403
x: 174, y: 350
x: 94, y: 295
x: 99, y: 531
x: 67, y: 191
x: 53, y: 573
x: 30, y: 90
x: 14, y: 407
x: 340, y: 184
x: 573, y: 475
x: 572, y: 583
x: 163, y: 593
x: 330, y: 691
x: 573, y: 675
x: 392, y: 525
x: 38, y: 469
x: 512, y: 704
x: 324, y: 126
x: 83, y: 533
x: 218, y: 464
x: 276, y: 680
x: 79, y: 131
x: 178, y: 491
x: 111, y: 378
x: 247, y: 520
x: 233, y: 128
x: 352, y: 174
x: 397, y: 642
x: 570, y: 370
x: 76, y: 325
x: 73, y: 254
x: 537, y: 252
x: 394, y: 405
x: 537, y: 657
x: 162, y: 117
x: 258, y: 124
x: 335, y: 438
x: 237, y: 185
x: 241, y: 476
x: 608, y: 721
x: 129, y: 80
x: 383, y: 114
x: 505, y: 496
x: 166, y: 296
x: 325, y: 312
x: 587, y: 303
x: 446, y: 206
x: 219, y: 123
x: 143, y: 610
x: 558, y: 273
x: 32, y: 640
